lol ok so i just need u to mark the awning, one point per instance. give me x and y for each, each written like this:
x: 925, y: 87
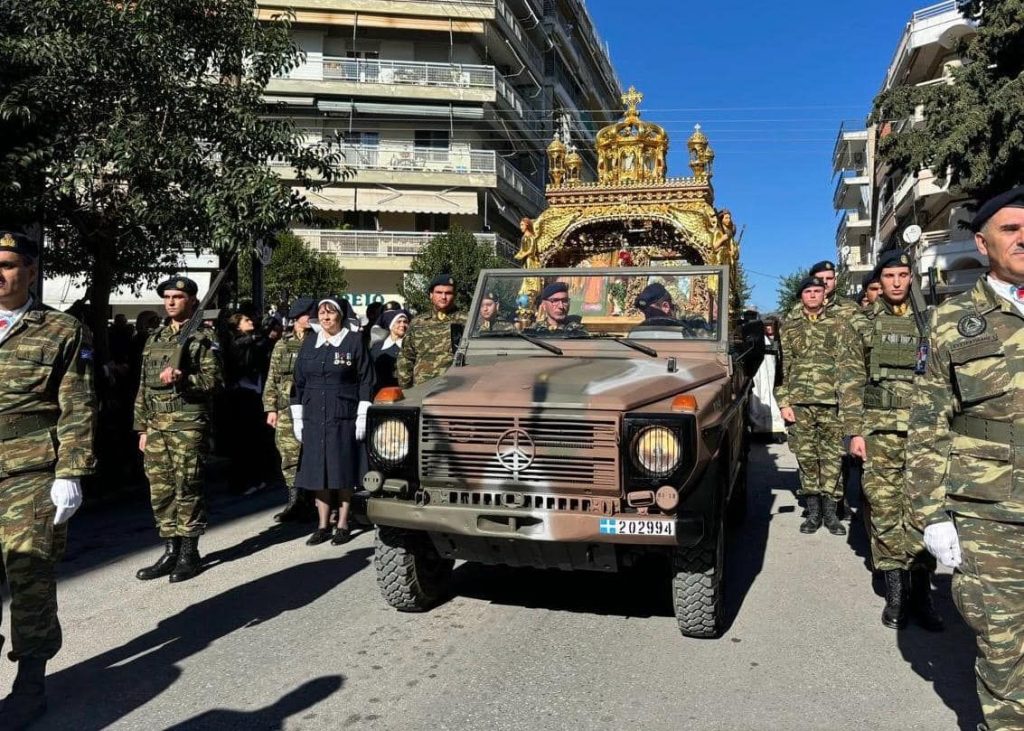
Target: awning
x: 412, y: 110
x: 460, y: 202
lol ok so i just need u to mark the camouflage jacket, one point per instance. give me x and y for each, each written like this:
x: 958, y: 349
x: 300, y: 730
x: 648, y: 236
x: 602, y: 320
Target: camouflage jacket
x: 277, y: 392
x: 842, y: 306
x: 975, y: 370
x: 427, y: 349
x: 811, y: 348
x: 47, y: 396
x: 186, y: 404
x: 572, y: 323
x: 876, y: 373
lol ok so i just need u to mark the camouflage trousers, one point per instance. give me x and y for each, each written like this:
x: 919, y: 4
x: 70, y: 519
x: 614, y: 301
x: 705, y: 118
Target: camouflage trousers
x: 287, y: 446
x: 174, y: 462
x: 31, y: 545
x: 816, y: 442
x: 988, y: 589
x: 895, y: 542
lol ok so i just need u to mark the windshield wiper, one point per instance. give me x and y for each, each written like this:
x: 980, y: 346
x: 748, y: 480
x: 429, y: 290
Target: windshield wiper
x: 528, y: 338
x: 637, y: 346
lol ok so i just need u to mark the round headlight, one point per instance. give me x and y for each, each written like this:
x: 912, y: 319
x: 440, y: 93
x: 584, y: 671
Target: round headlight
x: 656, y: 451
x: 390, y: 441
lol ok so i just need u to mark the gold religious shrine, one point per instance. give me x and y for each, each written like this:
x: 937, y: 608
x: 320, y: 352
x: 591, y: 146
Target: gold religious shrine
x: 633, y: 214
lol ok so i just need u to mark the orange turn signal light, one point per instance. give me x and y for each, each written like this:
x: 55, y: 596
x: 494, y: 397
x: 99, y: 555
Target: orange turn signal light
x: 388, y: 395
x: 686, y: 402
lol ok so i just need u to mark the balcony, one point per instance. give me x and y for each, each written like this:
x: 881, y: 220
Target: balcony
x: 851, y: 191
x: 850, y: 151
x: 399, y: 79
x: 510, y: 180
x: 931, y: 33
x: 457, y: 10
x: 508, y: 22
x: 852, y: 225
x: 386, y: 244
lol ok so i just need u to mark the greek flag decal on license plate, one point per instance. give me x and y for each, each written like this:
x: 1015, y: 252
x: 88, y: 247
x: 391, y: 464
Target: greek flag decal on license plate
x: 608, y: 527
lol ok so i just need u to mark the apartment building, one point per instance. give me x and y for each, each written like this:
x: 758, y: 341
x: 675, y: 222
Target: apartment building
x: 878, y: 204
x: 444, y: 111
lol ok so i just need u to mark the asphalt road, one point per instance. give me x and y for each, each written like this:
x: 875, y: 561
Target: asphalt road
x: 277, y: 634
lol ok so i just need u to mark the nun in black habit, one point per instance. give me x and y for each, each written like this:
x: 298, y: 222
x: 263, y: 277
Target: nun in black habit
x: 334, y: 383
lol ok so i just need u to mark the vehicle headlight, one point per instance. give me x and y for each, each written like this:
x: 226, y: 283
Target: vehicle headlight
x: 656, y: 451
x: 390, y: 441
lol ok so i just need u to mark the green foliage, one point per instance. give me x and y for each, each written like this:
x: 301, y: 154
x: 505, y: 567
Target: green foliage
x: 741, y: 289
x: 135, y: 131
x: 787, y: 294
x: 973, y: 129
x: 294, y: 270
x: 456, y: 252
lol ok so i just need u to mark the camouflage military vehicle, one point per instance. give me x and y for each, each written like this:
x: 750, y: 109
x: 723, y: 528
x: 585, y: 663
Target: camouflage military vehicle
x: 581, y: 447
x: 580, y: 428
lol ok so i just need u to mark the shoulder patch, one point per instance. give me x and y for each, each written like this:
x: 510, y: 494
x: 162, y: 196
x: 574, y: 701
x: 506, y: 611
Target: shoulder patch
x: 971, y: 326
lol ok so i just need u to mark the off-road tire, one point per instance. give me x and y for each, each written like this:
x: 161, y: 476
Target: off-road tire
x: 411, y: 574
x: 698, y: 588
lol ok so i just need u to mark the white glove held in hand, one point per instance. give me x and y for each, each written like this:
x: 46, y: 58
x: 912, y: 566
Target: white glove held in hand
x: 66, y: 495
x: 942, y: 542
x: 296, y: 421
x: 361, y: 420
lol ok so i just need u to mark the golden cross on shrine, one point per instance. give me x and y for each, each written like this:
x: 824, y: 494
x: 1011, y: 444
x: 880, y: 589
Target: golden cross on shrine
x: 632, y: 99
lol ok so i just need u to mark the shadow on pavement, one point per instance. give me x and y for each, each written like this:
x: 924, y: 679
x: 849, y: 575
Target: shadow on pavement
x: 102, y: 690
x: 946, y: 659
x: 268, y: 718
x: 271, y: 536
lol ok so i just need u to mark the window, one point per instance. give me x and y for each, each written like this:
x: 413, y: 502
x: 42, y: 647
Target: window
x: 433, y: 221
x: 432, y: 138
x: 360, y: 220
x: 355, y: 137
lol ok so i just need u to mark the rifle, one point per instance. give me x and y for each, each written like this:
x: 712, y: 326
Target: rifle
x: 193, y: 323
x: 919, y: 308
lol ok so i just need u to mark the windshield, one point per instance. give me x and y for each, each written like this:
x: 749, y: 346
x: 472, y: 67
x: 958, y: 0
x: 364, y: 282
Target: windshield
x: 618, y: 303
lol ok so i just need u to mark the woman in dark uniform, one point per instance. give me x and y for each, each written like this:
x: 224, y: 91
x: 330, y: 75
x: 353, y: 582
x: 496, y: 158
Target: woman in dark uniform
x: 333, y: 387
x: 384, y: 353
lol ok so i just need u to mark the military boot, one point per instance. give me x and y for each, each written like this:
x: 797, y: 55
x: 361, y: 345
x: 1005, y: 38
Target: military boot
x: 921, y: 607
x: 813, y: 521
x: 165, y: 564
x: 832, y: 522
x: 293, y: 510
x: 894, y: 615
x: 27, y: 701
x: 189, y: 563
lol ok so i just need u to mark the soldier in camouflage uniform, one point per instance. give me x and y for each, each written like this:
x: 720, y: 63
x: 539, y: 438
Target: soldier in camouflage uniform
x: 876, y: 389
x: 47, y: 424
x: 813, y: 336
x: 276, y: 401
x: 172, y: 416
x: 490, y: 315
x: 966, y: 455
x: 826, y: 272
x: 429, y: 347
x: 554, y: 307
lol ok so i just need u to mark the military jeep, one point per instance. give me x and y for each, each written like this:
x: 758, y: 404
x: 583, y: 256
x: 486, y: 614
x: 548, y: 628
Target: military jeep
x: 582, y: 444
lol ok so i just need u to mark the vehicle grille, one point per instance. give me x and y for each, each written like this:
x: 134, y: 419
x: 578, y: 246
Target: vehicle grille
x: 561, y: 453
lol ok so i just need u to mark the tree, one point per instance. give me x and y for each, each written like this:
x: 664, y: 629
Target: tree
x: 135, y: 131
x: 456, y: 252
x: 741, y: 289
x: 294, y: 270
x: 973, y: 129
x: 787, y: 294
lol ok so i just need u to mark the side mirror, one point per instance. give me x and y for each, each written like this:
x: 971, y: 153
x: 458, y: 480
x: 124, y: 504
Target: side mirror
x: 749, y: 351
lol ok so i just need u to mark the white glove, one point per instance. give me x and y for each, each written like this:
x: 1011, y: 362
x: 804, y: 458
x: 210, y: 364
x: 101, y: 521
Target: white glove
x: 942, y: 542
x: 361, y: 420
x: 66, y: 495
x: 296, y: 410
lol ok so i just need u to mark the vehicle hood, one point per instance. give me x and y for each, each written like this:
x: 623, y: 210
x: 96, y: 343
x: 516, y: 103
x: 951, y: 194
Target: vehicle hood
x: 568, y: 383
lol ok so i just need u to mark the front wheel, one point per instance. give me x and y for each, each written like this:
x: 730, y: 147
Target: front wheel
x: 411, y: 574
x: 698, y: 588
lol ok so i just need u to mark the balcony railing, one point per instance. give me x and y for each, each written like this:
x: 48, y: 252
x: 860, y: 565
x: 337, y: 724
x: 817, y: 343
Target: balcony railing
x: 515, y: 29
x: 521, y: 184
x: 411, y: 73
x: 385, y: 244
x: 933, y: 11
x: 405, y: 157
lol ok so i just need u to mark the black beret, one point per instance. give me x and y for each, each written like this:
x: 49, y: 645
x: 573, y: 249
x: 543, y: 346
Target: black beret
x: 1010, y: 199
x: 552, y: 289
x: 809, y: 281
x: 17, y: 242
x: 181, y: 284
x: 490, y: 295
x: 891, y: 260
x: 390, y: 316
x: 822, y: 266
x: 652, y: 294
x: 441, y: 280
x: 301, y: 306
x: 869, y: 279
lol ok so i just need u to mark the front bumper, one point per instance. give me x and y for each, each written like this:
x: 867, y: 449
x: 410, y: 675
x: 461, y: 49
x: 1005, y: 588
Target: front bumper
x: 527, y: 525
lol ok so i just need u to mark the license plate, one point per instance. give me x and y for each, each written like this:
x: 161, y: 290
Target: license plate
x: 637, y: 527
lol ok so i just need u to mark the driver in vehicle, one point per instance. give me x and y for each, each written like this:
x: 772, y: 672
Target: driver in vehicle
x: 490, y: 315
x: 655, y: 303
x: 554, y: 310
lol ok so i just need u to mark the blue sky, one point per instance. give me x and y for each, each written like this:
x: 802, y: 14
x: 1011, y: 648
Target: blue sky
x: 770, y: 83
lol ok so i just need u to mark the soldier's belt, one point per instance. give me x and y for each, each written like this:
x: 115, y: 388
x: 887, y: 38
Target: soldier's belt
x: 990, y: 430
x: 876, y: 397
x: 176, y: 405
x: 14, y: 426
